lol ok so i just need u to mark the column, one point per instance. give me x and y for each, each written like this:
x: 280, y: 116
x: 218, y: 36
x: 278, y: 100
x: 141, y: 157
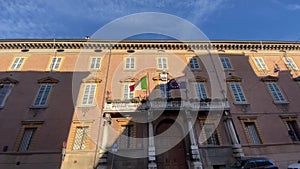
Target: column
x: 237, y: 148
x: 196, y: 162
x: 102, y: 164
x: 151, y: 146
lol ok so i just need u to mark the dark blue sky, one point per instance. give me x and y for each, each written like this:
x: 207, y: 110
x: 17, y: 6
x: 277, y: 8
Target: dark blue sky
x: 218, y: 19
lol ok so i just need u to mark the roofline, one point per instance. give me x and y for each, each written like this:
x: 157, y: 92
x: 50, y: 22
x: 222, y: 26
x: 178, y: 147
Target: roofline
x: 222, y: 45
x: 153, y: 41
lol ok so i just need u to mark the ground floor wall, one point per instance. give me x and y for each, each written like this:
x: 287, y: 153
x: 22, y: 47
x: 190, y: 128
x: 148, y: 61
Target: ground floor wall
x: 281, y: 154
x: 30, y: 160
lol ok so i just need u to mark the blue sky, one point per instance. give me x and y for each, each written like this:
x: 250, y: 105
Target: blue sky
x: 218, y: 19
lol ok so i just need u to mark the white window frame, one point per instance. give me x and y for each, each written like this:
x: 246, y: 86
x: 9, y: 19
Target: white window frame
x: 17, y: 63
x: 200, y: 90
x: 5, y: 90
x: 129, y: 63
x: 276, y: 92
x: 95, y: 63
x: 80, y: 139
x: 27, y: 138
x: 290, y: 63
x: 55, y: 63
x: 211, y: 134
x: 43, y: 94
x: 260, y: 63
x: 162, y: 63
x: 127, y: 94
x: 226, y: 63
x: 126, y: 139
x: 237, y: 93
x: 252, y: 133
x: 164, y: 92
x: 88, y: 96
x: 194, y: 63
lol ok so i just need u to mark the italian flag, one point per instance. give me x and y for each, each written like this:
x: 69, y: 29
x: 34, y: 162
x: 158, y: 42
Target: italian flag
x: 140, y: 85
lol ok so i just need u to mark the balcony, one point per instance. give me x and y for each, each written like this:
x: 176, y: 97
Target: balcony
x: 123, y: 106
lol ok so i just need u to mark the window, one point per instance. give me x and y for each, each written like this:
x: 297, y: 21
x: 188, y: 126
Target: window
x: 252, y: 133
x: 226, y: 63
x: 55, y: 63
x: 127, y: 94
x: 126, y: 139
x: 259, y: 61
x: 200, y: 90
x: 43, y: 94
x: 89, y: 94
x: 193, y: 63
x: 211, y: 134
x: 290, y: 63
x: 162, y: 63
x: 237, y: 92
x: 129, y: 64
x: 293, y: 130
x: 5, y: 90
x: 165, y: 91
x: 276, y: 92
x: 80, y: 140
x: 95, y: 63
x: 17, y: 63
x: 26, y: 139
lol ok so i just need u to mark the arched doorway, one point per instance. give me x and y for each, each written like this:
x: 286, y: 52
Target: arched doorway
x: 174, y: 158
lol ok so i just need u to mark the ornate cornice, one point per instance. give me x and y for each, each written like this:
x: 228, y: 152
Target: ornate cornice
x: 49, y: 80
x: 150, y: 44
x: 233, y: 79
x: 129, y: 80
x: 8, y: 80
x: 269, y: 79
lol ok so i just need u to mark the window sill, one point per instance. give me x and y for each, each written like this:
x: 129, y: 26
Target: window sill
x: 38, y: 107
x: 281, y: 103
x: 86, y: 106
x: 240, y: 103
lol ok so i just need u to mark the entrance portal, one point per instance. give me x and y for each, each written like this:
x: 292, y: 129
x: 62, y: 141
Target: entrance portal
x: 175, y: 157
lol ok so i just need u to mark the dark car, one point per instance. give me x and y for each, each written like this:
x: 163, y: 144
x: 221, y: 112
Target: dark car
x: 254, y: 163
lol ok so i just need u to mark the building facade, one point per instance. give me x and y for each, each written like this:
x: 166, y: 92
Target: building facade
x: 148, y: 104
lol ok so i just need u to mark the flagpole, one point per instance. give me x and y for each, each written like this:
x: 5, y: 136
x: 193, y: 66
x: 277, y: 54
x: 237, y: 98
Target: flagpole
x: 148, y: 90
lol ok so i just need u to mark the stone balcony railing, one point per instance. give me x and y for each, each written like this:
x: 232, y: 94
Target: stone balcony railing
x: 165, y: 105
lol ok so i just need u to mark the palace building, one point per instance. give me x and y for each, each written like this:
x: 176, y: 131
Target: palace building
x: 154, y: 104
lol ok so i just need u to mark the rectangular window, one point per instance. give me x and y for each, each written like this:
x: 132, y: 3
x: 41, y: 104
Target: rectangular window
x: 260, y: 63
x: 95, y: 63
x: 226, y: 63
x: 127, y: 94
x: 252, y: 133
x: 193, y: 63
x: 43, y: 94
x: 55, y: 63
x: 237, y: 92
x: 129, y: 64
x: 290, y: 63
x: 200, y: 90
x: 126, y: 138
x: 80, y: 140
x: 293, y: 130
x: 276, y: 92
x: 17, y: 64
x: 26, y: 139
x: 165, y: 91
x: 162, y: 63
x: 89, y: 94
x: 4, y: 93
x: 211, y: 134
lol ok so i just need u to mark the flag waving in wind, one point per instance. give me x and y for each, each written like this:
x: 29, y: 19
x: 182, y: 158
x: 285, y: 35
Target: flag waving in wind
x: 140, y: 85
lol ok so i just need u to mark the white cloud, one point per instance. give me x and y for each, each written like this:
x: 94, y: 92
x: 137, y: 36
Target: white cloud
x: 293, y: 7
x: 31, y: 18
